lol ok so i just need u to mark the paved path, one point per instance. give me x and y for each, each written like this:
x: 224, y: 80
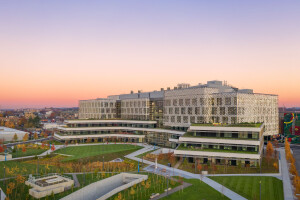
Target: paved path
x: 287, y: 185
x: 176, y: 172
x: 176, y: 189
x: 76, y: 182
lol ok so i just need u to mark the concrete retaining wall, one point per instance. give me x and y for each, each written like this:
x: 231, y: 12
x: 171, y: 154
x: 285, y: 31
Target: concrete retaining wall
x: 106, y: 188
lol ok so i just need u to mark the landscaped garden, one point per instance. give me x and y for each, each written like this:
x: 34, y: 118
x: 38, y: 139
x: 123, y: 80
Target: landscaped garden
x: 248, y: 186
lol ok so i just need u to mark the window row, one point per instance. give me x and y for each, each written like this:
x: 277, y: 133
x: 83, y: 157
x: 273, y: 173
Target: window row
x: 202, y: 101
x: 201, y: 110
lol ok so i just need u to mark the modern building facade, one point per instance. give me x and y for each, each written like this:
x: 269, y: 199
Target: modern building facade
x: 136, y: 131
x: 184, y: 105
x: 223, y: 144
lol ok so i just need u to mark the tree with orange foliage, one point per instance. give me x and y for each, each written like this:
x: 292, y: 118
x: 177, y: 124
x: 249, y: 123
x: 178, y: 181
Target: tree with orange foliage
x: 35, y: 136
x: 270, y: 151
x: 293, y: 169
x: 275, y: 165
x: 199, y: 167
x: 53, y: 148
x: 23, y: 149
x: 25, y: 138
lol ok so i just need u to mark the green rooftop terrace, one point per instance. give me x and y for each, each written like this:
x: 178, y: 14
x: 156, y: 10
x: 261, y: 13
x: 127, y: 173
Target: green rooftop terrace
x: 253, y: 125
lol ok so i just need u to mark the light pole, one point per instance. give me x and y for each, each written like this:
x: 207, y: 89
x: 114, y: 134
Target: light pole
x: 4, y: 174
x: 103, y: 163
x: 167, y: 184
x: 260, y: 190
x: 38, y: 166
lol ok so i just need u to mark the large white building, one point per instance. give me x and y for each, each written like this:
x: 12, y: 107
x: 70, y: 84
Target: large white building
x: 8, y: 133
x: 184, y: 105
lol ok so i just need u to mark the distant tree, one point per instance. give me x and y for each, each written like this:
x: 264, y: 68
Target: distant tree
x: 89, y: 140
x: 35, y: 136
x: 270, y: 151
x: 15, y: 138
x: 25, y: 138
x: 24, y: 149
x: 53, y: 147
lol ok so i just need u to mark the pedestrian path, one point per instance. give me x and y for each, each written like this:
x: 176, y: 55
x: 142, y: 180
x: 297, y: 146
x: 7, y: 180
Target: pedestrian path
x: 76, y: 182
x: 287, y: 185
x: 176, y: 189
x: 164, y: 170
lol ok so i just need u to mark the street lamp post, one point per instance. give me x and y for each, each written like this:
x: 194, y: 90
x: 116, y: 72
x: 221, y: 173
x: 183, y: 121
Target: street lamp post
x: 4, y: 174
x: 103, y: 163
x: 260, y: 190
x: 38, y: 166
x: 167, y: 184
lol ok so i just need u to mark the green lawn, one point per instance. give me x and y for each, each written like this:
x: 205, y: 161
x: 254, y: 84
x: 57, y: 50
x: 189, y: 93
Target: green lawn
x: 79, y: 152
x: 197, y: 191
x: 248, y: 186
x: 29, y: 152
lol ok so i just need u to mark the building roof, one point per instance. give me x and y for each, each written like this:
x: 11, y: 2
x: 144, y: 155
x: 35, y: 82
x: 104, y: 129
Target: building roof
x: 82, y: 121
x: 5, y: 130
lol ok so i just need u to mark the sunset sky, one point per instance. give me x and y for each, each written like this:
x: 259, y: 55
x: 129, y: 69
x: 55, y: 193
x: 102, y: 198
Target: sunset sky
x: 54, y: 53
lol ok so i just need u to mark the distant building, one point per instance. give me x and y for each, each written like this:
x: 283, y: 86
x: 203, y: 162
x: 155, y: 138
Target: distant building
x: 8, y: 133
x: 28, y: 115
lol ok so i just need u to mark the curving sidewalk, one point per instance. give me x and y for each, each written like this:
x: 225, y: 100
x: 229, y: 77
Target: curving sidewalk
x: 164, y: 170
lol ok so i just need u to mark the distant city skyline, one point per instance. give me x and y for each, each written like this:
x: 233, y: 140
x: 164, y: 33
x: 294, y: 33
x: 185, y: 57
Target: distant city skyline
x: 55, y: 53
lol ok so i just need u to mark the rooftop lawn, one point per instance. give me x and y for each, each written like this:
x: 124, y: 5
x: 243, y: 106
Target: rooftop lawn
x: 198, y: 190
x: 78, y: 152
x: 181, y: 147
x: 253, y: 125
x: 248, y: 186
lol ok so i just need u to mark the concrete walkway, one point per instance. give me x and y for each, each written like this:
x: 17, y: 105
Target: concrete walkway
x: 76, y: 182
x: 287, y: 185
x: 164, y: 170
x: 176, y: 189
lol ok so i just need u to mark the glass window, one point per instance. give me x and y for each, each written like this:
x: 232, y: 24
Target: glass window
x: 201, y: 101
x: 194, y: 102
x: 190, y: 110
x: 228, y: 101
x: 185, y: 119
x: 180, y: 102
x: 222, y: 110
x: 183, y: 111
